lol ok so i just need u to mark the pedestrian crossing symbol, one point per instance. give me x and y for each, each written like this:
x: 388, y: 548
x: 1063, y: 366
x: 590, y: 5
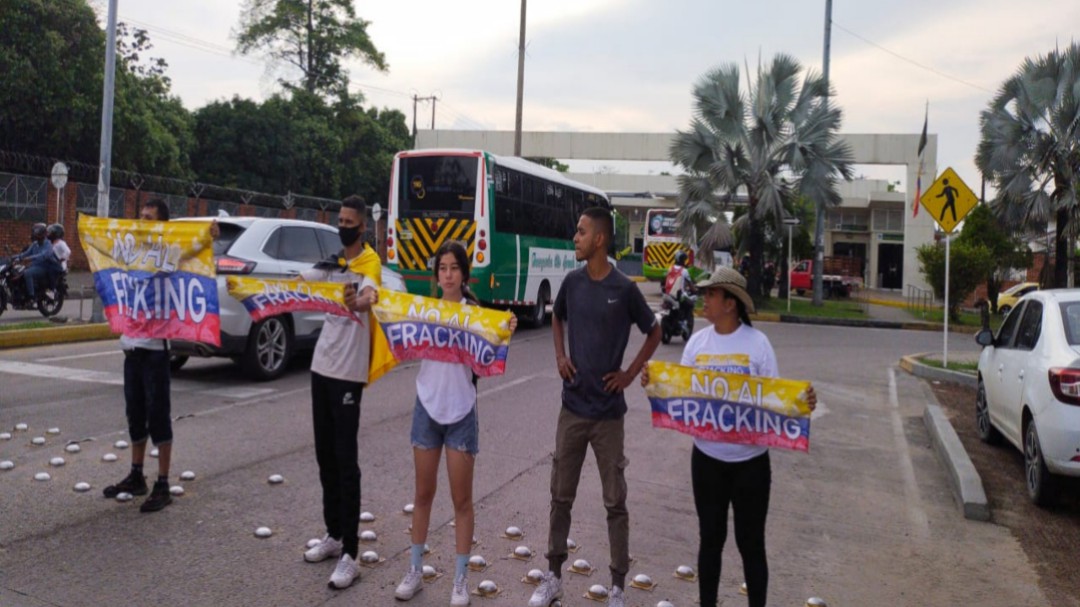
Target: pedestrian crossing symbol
x: 949, y: 200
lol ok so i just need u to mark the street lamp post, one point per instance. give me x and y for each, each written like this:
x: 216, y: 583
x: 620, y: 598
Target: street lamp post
x: 105, y: 167
x: 790, y: 222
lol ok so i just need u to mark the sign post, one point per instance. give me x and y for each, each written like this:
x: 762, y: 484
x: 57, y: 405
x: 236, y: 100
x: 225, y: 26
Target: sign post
x: 948, y: 201
x: 790, y: 222
x: 376, y: 214
x: 59, y: 180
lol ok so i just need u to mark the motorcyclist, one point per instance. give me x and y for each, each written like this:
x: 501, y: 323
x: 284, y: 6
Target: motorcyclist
x: 52, y: 267
x: 679, y: 286
x: 40, y: 249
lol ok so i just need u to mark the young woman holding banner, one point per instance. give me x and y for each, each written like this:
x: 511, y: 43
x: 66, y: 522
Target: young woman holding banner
x: 445, y: 416
x: 727, y: 473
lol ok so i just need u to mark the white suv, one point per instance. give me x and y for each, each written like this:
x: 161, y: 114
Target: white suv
x: 264, y: 248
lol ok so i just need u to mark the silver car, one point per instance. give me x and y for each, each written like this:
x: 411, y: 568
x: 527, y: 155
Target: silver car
x: 265, y: 248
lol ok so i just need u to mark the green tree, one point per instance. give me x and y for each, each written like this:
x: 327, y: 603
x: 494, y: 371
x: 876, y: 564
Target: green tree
x: 771, y: 143
x: 981, y: 227
x: 312, y: 36
x: 968, y: 266
x: 51, y: 58
x: 1030, y: 147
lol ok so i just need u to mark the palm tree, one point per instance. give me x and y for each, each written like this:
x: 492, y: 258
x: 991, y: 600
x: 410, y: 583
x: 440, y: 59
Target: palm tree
x: 767, y: 145
x: 1030, y: 147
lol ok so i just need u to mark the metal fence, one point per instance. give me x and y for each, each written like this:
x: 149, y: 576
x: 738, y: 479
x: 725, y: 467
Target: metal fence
x: 23, y: 197
x: 86, y: 200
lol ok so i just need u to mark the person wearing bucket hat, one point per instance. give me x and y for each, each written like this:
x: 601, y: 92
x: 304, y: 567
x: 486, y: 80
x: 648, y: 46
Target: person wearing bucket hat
x: 722, y: 473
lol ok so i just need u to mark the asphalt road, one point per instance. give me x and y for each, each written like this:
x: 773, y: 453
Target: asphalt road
x: 867, y: 518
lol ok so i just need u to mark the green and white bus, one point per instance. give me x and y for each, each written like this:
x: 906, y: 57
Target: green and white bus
x: 661, y: 243
x: 516, y: 218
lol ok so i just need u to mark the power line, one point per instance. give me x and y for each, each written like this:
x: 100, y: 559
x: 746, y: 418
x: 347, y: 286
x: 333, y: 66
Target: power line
x: 911, y: 61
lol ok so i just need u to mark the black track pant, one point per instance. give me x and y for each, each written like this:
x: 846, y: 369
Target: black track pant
x: 745, y: 487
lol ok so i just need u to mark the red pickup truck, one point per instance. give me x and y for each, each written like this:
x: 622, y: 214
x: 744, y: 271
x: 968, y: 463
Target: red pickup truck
x: 839, y: 276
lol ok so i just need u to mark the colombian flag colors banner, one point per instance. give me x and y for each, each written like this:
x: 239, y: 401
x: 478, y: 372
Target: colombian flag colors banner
x: 156, y: 279
x: 730, y: 407
x: 434, y: 329
x: 264, y: 298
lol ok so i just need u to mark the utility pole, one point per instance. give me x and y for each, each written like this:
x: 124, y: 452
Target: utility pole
x: 819, y: 223
x: 416, y: 99
x: 520, y: 82
x: 105, y: 166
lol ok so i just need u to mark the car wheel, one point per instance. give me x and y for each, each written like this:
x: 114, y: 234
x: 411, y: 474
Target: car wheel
x: 270, y: 347
x: 1003, y: 310
x: 987, y: 432
x: 176, y: 361
x: 538, y: 314
x: 1041, y: 485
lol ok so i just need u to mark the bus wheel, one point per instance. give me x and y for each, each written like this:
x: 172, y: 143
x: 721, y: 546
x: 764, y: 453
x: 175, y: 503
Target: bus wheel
x: 539, y: 312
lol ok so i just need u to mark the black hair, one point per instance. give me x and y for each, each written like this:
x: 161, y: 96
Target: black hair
x: 160, y: 207
x: 461, y: 255
x: 602, y: 217
x: 357, y: 203
x: 744, y: 316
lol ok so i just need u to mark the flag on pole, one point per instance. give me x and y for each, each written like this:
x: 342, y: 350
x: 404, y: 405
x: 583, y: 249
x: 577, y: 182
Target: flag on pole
x: 918, y: 176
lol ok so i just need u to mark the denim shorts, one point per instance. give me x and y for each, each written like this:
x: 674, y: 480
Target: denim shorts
x: 462, y: 435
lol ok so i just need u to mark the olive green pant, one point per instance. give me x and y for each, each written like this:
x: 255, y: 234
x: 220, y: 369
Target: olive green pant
x: 573, y: 436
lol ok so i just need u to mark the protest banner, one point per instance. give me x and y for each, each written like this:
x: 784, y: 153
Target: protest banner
x: 435, y: 329
x: 730, y: 407
x: 268, y: 297
x: 156, y: 279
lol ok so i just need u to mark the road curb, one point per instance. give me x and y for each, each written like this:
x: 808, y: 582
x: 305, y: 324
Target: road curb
x: 966, y: 483
x: 54, y: 335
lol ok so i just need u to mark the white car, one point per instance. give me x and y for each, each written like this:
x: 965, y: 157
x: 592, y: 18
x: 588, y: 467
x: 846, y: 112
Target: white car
x: 262, y: 247
x: 1029, y: 387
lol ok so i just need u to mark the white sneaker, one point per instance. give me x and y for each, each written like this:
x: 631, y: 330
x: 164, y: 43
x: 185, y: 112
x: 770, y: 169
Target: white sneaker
x: 413, y: 583
x: 346, y: 571
x: 549, y: 590
x: 616, y: 598
x: 327, y: 548
x: 459, y: 597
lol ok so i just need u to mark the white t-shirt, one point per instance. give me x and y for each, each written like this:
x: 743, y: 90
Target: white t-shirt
x: 130, y: 343
x: 344, y: 347
x: 62, y: 252
x: 746, y: 350
x: 445, y: 390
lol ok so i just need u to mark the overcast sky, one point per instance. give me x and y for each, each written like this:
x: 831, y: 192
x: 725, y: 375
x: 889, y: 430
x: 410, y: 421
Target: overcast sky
x: 628, y: 65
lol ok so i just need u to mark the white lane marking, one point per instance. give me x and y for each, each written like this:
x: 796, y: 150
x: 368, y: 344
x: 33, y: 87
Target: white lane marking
x: 117, y: 379
x: 907, y: 470
x: 77, y: 356
x: 511, y: 384
x: 54, y: 372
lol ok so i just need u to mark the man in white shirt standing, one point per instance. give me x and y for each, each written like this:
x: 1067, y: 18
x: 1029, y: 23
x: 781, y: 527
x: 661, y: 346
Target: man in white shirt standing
x: 339, y: 372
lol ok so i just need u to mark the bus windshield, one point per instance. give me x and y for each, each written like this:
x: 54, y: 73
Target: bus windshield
x: 663, y: 223
x: 437, y: 186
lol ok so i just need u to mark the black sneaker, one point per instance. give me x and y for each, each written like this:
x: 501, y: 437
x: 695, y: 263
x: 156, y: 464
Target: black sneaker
x: 134, y: 483
x: 159, y: 498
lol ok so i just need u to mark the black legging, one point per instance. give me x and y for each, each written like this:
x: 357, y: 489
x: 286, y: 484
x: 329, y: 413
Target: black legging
x: 745, y: 486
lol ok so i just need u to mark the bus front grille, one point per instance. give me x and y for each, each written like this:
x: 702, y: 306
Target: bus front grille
x: 418, y: 239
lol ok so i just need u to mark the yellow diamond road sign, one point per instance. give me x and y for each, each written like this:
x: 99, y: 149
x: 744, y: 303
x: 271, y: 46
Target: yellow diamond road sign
x: 949, y: 200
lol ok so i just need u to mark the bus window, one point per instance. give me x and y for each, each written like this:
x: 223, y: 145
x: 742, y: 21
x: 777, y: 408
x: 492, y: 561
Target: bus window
x: 438, y: 186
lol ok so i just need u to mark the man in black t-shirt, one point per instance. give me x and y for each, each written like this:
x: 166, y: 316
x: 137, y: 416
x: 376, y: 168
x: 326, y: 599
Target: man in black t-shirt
x: 595, y: 307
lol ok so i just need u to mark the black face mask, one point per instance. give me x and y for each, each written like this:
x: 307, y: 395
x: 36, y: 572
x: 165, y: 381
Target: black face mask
x: 348, y: 235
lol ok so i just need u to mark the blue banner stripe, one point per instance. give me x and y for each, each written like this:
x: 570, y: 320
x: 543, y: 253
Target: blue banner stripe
x: 157, y: 295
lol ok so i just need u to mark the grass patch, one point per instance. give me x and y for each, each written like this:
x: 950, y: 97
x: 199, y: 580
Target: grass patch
x: 962, y: 366
x: 832, y: 308
x: 21, y: 326
x: 967, y: 319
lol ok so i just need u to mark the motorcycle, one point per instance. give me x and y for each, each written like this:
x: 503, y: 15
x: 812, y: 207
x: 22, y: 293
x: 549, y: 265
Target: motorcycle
x: 13, y: 290
x: 676, y: 318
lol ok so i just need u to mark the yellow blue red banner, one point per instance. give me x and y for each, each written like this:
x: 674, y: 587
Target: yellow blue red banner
x: 267, y: 297
x: 156, y: 279
x: 435, y: 329
x: 730, y: 407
